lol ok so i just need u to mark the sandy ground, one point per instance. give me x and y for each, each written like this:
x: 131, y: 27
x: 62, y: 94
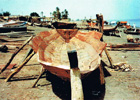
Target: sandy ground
x: 119, y: 85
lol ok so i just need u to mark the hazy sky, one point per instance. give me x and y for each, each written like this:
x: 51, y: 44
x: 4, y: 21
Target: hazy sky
x: 111, y: 9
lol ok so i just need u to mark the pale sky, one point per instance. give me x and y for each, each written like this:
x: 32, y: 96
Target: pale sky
x: 77, y: 9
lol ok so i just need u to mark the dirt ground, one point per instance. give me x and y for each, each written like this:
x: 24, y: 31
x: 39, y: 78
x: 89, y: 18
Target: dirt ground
x: 118, y: 85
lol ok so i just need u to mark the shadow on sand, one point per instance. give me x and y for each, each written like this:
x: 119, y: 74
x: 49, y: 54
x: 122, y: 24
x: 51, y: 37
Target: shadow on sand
x: 92, y: 88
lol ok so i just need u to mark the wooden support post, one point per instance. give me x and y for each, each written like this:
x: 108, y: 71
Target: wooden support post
x: 42, y: 72
x: 75, y: 75
x: 19, y: 67
x: 30, y: 50
x: 15, y: 53
x: 102, y: 80
x: 109, y: 58
x: 101, y: 26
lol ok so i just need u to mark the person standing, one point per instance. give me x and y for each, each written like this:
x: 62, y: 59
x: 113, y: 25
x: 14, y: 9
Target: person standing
x: 134, y: 26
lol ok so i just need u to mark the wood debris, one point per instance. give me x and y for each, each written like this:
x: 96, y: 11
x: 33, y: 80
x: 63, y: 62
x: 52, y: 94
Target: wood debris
x: 122, y: 66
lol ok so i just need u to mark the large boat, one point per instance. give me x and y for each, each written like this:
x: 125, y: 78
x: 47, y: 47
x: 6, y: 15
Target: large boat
x: 91, y: 23
x: 12, y: 26
x: 133, y: 31
x: 9, y: 29
x: 64, y: 25
x: 124, y: 24
x: 107, y: 28
x: 52, y: 47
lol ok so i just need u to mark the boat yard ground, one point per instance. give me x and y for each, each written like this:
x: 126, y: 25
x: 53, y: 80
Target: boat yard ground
x: 119, y: 85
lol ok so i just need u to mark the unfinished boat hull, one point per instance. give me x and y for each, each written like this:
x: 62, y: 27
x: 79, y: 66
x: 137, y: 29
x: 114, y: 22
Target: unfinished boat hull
x: 52, y: 49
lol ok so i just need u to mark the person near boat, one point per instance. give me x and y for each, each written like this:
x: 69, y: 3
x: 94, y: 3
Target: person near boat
x: 134, y: 27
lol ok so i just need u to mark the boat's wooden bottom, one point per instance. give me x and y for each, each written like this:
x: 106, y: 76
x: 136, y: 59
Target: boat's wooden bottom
x: 63, y: 73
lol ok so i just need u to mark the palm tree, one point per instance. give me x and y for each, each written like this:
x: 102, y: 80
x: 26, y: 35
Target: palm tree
x: 66, y: 14
x: 54, y: 14
x: 63, y: 15
x: 58, y: 13
x: 42, y: 13
x: 57, y: 9
x: 50, y: 14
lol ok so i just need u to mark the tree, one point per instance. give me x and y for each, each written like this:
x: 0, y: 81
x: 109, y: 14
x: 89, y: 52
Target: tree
x: 6, y: 13
x: 23, y: 18
x: 57, y: 9
x: 63, y: 15
x: 0, y: 14
x: 42, y: 13
x: 50, y: 14
x: 66, y: 14
x: 58, y: 14
x: 54, y: 14
x: 34, y: 14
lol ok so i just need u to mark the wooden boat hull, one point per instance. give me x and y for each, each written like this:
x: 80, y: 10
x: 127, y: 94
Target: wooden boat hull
x: 106, y: 29
x: 62, y: 25
x: 132, y: 32
x: 9, y: 29
x: 52, y: 49
x: 91, y: 24
x: 63, y: 73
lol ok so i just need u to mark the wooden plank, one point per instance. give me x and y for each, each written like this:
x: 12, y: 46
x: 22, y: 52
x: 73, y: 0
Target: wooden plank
x: 76, y: 85
x: 14, y: 33
x: 14, y: 43
x: 15, y: 53
x: 125, y: 45
x: 124, y: 49
x: 9, y: 67
x: 30, y: 50
x: 11, y: 40
x: 101, y: 26
x: 109, y: 58
x: 42, y: 72
x: 19, y: 67
x: 75, y: 75
x: 102, y: 80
